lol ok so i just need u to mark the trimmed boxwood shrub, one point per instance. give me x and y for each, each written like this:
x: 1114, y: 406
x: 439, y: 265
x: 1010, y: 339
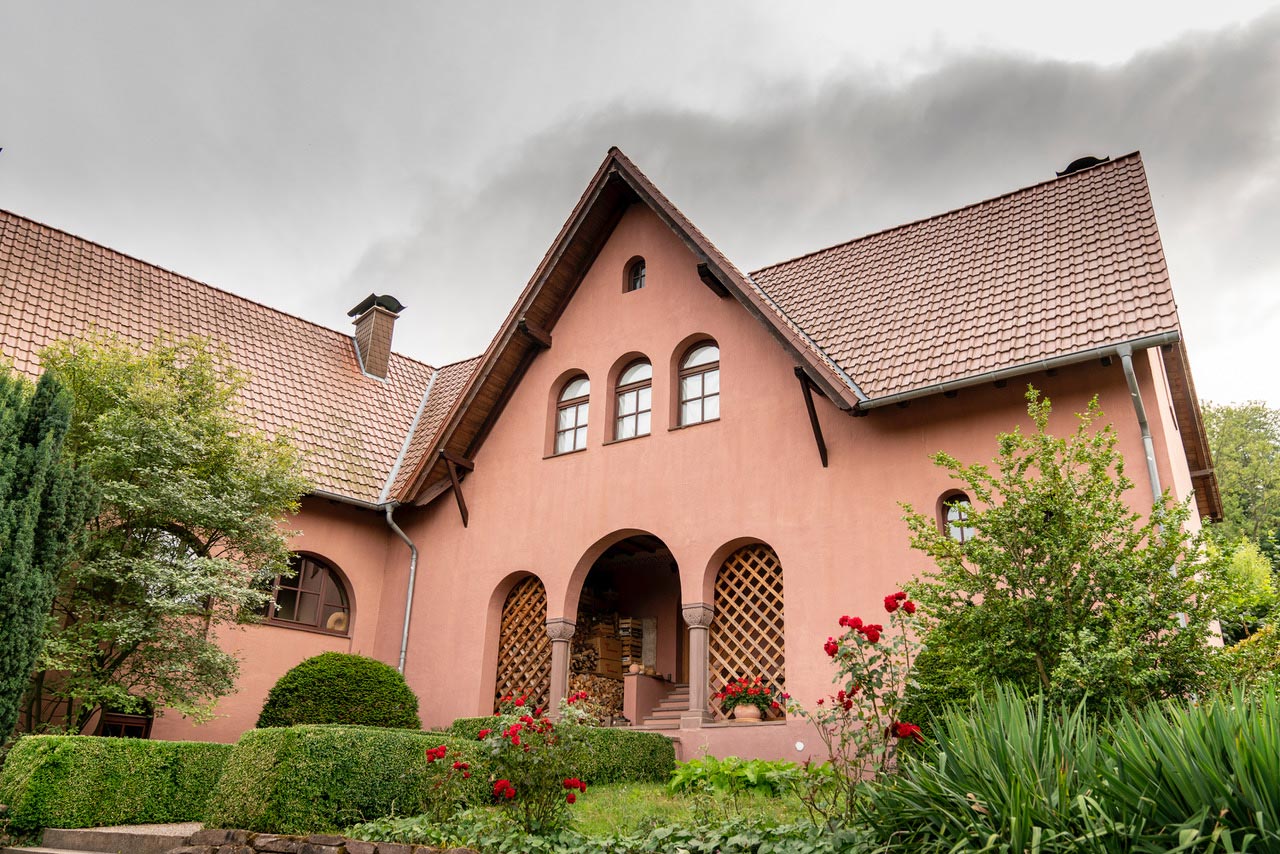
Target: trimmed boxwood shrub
x: 88, y: 781
x: 615, y: 755
x: 340, y: 688
x: 314, y: 779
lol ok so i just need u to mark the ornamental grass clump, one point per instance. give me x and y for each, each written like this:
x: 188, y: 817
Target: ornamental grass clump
x: 536, y: 761
x: 861, y: 724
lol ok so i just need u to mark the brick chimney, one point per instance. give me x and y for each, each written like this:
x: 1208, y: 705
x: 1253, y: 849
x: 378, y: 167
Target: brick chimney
x: 375, y: 319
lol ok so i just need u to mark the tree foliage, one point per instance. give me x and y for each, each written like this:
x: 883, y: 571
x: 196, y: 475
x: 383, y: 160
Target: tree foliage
x: 1249, y: 596
x: 1063, y: 589
x: 44, y: 504
x: 186, y: 538
x: 1245, y: 441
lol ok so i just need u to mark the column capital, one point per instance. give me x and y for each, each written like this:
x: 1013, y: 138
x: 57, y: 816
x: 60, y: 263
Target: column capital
x: 560, y: 629
x: 697, y: 615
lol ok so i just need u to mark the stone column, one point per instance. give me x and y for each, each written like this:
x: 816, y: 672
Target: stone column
x: 698, y: 616
x: 561, y: 633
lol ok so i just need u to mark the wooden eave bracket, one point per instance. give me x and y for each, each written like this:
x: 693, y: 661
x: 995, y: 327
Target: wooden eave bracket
x: 453, y: 463
x: 807, y: 388
x: 540, y: 337
x: 712, y: 281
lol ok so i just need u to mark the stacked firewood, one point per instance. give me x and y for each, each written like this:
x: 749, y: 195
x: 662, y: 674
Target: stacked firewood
x: 584, y: 657
x: 604, y: 694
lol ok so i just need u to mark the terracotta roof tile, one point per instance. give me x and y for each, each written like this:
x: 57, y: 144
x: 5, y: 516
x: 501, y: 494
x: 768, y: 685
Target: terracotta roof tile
x: 304, y: 378
x: 1046, y: 271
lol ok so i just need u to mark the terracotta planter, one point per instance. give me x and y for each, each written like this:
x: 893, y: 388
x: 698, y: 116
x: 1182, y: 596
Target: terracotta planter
x: 746, y: 712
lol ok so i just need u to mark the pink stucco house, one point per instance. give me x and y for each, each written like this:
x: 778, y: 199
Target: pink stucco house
x: 660, y: 464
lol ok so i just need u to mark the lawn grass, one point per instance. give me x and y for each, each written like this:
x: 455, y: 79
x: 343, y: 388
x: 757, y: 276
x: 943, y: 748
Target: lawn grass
x: 621, y: 808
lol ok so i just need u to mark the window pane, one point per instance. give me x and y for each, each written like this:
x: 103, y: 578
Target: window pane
x: 711, y: 382
x: 582, y: 414
x: 335, y: 620
x: 627, y: 403
x: 642, y: 424
x: 637, y: 372
x: 564, y: 418
x: 711, y: 407
x: 286, y: 604
x: 691, y: 412
x: 626, y: 427
x: 580, y: 438
x: 311, y: 576
x: 691, y: 387
x: 704, y: 355
x: 646, y: 398
x: 580, y: 387
x: 334, y: 595
x: 308, y: 608
x: 564, y: 441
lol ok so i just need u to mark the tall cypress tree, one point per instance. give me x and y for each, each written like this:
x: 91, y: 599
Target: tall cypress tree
x: 45, y: 504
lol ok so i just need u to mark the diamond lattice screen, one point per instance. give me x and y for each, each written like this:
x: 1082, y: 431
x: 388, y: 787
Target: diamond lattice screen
x: 746, y: 632
x: 524, y: 650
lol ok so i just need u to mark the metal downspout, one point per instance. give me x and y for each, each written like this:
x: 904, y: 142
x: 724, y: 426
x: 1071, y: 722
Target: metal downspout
x: 1125, y: 352
x: 413, y: 574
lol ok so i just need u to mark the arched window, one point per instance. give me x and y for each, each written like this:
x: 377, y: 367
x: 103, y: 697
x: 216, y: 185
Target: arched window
x: 955, y: 516
x: 635, y: 276
x: 700, y: 384
x: 571, y: 415
x: 635, y: 401
x: 314, y: 598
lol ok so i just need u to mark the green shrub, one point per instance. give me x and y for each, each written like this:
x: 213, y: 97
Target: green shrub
x: 732, y: 775
x: 338, y: 688
x: 87, y: 781
x: 613, y: 755
x: 312, y: 779
x: 1253, y: 662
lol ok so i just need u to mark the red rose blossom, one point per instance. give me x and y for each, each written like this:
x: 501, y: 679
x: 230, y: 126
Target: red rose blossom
x: 909, y: 606
x: 831, y: 647
x: 899, y: 596
x: 570, y: 798
x: 890, y: 604
x: 872, y: 636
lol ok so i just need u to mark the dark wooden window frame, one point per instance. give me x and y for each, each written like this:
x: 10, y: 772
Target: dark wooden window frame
x: 120, y: 725
x: 331, y: 579
x: 573, y: 404
x: 686, y: 372
x: 947, y: 506
x: 634, y: 415
x: 635, y: 276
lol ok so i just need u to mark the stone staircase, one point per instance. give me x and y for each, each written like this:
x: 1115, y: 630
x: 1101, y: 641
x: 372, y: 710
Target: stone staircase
x: 133, y: 839
x: 666, y: 715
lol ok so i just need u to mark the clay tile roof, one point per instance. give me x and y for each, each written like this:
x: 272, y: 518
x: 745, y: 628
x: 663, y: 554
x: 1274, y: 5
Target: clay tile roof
x: 445, y: 388
x: 304, y: 378
x: 1051, y: 270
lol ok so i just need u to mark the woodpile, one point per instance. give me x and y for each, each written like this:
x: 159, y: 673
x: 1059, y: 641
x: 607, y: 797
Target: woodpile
x: 604, y: 694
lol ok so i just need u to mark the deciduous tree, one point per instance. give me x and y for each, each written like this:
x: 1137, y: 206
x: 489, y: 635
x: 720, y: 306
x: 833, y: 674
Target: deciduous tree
x: 1245, y: 441
x: 187, y: 538
x: 1063, y: 588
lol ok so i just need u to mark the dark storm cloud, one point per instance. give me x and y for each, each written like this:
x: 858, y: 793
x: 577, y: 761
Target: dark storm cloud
x: 806, y: 166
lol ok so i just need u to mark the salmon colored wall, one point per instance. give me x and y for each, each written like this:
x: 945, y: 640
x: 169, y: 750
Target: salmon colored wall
x: 355, y: 542
x: 753, y: 475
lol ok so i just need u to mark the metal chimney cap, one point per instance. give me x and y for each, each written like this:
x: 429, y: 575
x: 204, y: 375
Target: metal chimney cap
x: 386, y: 301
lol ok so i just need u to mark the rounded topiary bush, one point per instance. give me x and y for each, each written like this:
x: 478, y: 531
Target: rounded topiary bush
x: 337, y: 688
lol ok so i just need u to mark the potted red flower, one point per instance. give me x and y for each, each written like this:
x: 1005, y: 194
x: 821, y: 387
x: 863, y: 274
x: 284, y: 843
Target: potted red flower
x: 748, y: 699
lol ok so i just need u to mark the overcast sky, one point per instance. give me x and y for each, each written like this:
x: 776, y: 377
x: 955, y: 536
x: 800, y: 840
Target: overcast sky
x: 304, y: 154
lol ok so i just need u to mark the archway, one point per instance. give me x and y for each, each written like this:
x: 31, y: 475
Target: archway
x: 628, y: 636
x: 524, y: 649
x: 747, y: 630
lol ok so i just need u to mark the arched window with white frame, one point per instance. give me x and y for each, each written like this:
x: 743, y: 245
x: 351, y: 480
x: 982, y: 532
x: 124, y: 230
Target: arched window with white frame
x: 634, y: 401
x: 571, y: 415
x: 700, y: 384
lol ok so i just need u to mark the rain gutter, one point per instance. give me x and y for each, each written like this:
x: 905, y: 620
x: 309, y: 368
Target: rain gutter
x: 413, y: 574
x: 1143, y: 343
x: 1125, y: 352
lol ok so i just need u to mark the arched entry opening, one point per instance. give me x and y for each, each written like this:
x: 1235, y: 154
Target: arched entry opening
x: 628, y: 650
x: 524, y: 649
x: 746, y: 638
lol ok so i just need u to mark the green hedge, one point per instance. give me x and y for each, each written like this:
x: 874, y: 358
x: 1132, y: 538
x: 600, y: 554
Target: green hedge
x: 615, y: 755
x: 313, y: 779
x: 340, y: 688
x: 87, y: 781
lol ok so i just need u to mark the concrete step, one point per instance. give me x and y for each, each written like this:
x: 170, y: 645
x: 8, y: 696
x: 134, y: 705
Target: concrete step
x: 667, y: 715
x: 155, y: 839
x: 647, y: 725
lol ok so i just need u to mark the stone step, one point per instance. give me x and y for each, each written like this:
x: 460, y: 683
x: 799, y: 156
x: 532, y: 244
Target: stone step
x: 667, y: 715
x: 647, y: 725
x: 38, y: 850
x: 156, y: 839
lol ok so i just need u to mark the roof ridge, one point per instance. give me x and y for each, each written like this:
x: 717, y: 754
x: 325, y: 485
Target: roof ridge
x: 911, y: 223
x: 194, y: 281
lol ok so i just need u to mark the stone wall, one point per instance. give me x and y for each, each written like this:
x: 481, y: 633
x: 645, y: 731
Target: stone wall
x: 244, y: 842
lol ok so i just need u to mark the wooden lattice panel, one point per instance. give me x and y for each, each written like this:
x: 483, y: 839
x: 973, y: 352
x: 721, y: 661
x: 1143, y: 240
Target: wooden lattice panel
x: 746, y: 636
x: 524, y: 649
